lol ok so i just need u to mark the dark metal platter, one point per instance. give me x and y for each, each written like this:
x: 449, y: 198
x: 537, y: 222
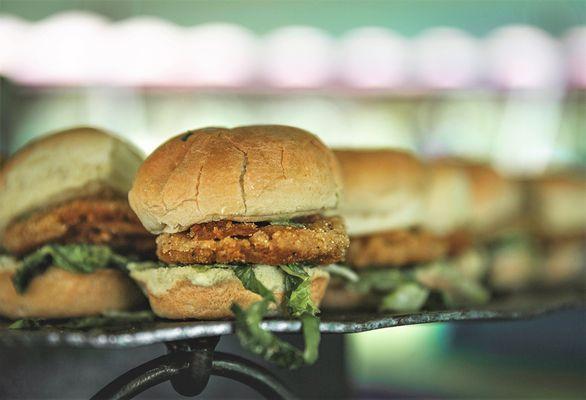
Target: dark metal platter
x: 518, y: 306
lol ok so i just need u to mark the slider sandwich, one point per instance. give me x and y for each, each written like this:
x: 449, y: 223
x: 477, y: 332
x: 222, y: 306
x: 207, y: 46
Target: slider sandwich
x: 66, y: 228
x: 557, y: 204
x: 497, y: 227
x: 459, y: 276
x: 384, y: 207
x: 239, y: 215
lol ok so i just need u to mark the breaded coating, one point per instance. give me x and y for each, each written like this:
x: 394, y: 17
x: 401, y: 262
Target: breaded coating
x: 93, y: 221
x: 395, y: 249
x: 319, y: 241
x: 459, y: 241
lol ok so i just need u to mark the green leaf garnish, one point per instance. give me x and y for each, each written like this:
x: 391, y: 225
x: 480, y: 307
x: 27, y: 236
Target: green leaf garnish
x: 408, y: 297
x: 343, y: 272
x: 246, y: 275
x: 287, y: 222
x: 78, y: 258
x: 298, y: 300
x: 382, y: 281
x: 455, y: 288
x: 298, y: 291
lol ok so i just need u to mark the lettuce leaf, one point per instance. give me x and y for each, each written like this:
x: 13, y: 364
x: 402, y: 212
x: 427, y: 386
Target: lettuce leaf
x: 298, y: 304
x: 262, y: 342
x: 383, y: 280
x: 110, y: 319
x: 287, y: 223
x: 298, y: 291
x: 343, y: 272
x: 249, y: 281
x: 408, y: 297
x: 455, y: 289
x: 78, y: 258
x: 466, y: 293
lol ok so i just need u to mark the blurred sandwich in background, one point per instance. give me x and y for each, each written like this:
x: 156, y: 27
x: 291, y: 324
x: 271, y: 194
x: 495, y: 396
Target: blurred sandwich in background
x: 399, y: 259
x: 67, y: 229
x: 557, y: 217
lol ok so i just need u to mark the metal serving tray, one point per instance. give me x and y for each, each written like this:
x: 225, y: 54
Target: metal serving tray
x: 519, y: 306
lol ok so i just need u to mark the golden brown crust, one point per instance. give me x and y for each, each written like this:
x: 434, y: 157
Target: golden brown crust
x: 61, y: 294
x: 321, y: 241
x: 186, y: 301
x: 556, y: 205
x: 395, y: 249
x: 372, y: 176
x: 94, y: 221
x: 250, y: 173
x: 459, y: 241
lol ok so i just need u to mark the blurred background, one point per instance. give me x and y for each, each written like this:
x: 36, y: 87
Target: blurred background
x: 501, y: 81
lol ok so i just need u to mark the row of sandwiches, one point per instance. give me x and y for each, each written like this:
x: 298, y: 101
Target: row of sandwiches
x: 259, y: 220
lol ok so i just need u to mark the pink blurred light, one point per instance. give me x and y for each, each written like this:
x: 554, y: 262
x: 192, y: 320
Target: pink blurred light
x: 523, y: 57
x: 373, y: 57
x: 12, y: 30
x: 142, y: 51
x: 575, y: 52
x: 62, y: 49
x: 298, y: 57
x: 447, y: 58
x: 219, y: 55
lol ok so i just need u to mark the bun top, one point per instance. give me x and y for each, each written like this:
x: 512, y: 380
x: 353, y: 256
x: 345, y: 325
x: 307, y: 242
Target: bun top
x: 249, y: 173
x: 383, y: 190
x: 496, y: 200
x: 449, y: 198
x: 558, y: 204
x: 74, y: 163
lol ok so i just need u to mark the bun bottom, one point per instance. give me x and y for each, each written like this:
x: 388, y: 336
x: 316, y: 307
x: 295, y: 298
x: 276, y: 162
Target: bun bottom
x: 61, y: 294
x: 188, y: 301
x: 340, y: 298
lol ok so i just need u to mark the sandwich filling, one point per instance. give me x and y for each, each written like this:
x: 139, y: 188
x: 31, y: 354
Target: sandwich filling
x: 405, y: 270
x: 100, y: 221
x: 278, y: 261
x: 80, y: 236
x: 312, y: 240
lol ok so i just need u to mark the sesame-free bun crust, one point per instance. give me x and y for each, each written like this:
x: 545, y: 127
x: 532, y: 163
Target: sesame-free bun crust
x: 250, y: 173
x: 558, y: 205
x: 496, y: 200
x: 383, y: 190
x: 61, y: 294
x: 449, y: 199
x: 186, y: 300
x: 79, y: 162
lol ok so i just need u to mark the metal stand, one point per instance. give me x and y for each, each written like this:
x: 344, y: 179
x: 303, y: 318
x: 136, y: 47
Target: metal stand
x: 188, y: 365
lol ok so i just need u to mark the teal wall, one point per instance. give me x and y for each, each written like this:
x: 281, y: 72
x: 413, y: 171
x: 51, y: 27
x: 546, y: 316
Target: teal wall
x: 406, y: 16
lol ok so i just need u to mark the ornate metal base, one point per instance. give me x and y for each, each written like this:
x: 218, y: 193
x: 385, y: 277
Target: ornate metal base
x: 188, y: 365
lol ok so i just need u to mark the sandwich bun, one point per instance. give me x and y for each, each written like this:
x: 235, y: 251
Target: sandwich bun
x: 249, y: 173
x: 383, y: 190
x: 558, y: 204
x: 186, y: 292
x: 79, y: 162
x: 496, y: 200
x: 448, y: 200
x: 61, y: 294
